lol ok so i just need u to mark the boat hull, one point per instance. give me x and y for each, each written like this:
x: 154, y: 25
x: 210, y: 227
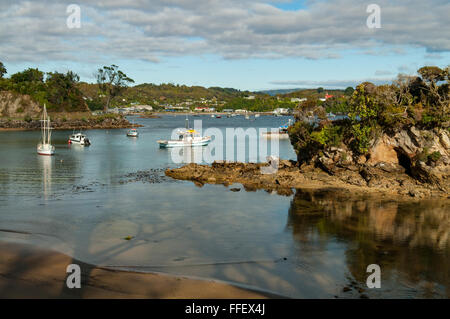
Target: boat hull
x: 174, y: 143
x: 279, y: 136
x: 46, y: 149
x: 79, y: 143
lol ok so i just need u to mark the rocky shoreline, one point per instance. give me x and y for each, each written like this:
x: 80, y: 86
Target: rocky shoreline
x: 385, y: 180
x: 69, y: 124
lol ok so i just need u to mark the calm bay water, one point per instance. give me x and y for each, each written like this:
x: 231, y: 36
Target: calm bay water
x: 312, y: 244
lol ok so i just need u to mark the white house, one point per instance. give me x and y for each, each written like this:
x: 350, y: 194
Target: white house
x: 296, y: 99
x: 281, y: 111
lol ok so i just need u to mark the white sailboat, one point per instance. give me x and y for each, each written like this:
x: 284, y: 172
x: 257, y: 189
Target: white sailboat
x: 45, y: 147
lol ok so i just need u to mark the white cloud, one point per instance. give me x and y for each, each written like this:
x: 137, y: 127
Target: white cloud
x: 338, y: 84
x: 234, y: 29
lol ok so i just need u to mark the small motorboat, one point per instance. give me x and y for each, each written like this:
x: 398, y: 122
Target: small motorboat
x: 133, y: 133
x: 80, y: 139
x: 256, y: 116
x: 219, y: 116
x: 45, y: 147
x: 281, y: 134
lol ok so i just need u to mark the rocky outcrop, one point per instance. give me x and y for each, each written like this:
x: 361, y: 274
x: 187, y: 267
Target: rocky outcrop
x: 70, y: 124
x: 16, y: 105
x: 384, y: 179
x: 423, y: 155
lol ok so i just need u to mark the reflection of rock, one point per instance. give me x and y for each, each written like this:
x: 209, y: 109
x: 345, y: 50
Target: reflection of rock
x: 152, y: 176
x: 410, y: 240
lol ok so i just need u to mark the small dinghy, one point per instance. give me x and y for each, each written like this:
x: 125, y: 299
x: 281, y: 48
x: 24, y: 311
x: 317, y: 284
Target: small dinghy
x: 133, y: 133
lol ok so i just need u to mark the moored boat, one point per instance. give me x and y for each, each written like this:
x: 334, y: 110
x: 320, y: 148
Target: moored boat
x: 186, y: 138
x: 133, y: 133
x: 45, y: 147
x: 79, y: 138
x: 281, y: 134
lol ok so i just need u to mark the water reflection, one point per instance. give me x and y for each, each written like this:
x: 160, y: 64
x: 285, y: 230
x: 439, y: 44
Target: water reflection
x: 410, y: 241
x: 46, y: 163
x: 187, y: 155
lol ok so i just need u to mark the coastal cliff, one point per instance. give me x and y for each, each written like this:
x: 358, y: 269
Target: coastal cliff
x: 21, y: 112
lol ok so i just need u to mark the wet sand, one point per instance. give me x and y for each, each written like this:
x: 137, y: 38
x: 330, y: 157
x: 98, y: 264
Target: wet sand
x: 30, y: 272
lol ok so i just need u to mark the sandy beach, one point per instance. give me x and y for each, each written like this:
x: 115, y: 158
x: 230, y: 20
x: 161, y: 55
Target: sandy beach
x: 27, y: 271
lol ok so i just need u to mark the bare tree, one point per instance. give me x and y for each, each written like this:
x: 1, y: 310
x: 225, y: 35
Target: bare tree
x: 112, y: 82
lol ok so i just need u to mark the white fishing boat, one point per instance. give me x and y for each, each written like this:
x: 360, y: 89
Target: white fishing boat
x: 281, y: 134
x: 80, y: 139
x: 45, y: 147
x: 247, y: 117
x: 186, y: 138
x: 256, y: 116
x: 133, y: 133
x: 213, y: 116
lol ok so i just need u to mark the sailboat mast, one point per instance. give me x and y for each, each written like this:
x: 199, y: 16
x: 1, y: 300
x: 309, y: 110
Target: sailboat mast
x: 49, y: 133
x: 44, y: 117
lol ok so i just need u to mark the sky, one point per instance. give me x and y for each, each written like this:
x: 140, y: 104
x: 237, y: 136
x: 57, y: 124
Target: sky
x: 244, y: 44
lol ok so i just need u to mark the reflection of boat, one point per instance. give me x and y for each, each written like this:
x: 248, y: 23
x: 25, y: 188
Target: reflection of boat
x: 46, y: 162
x: 79, y: 138
x: 45, y: 147
x: 186, y: 138
x: 281, y: 134
x: 133, y: 133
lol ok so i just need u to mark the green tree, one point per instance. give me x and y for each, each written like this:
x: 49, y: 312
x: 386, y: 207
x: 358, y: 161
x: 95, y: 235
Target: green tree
x: 320, y: 90
x: 349, y: 91
x: 62, y: 91
x: 111, y: 81
x: 28, y: 75
x: 2, y: 70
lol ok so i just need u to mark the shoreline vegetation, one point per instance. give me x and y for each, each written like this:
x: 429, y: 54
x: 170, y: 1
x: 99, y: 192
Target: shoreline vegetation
x: 69, y: 121
x: 28, y: 271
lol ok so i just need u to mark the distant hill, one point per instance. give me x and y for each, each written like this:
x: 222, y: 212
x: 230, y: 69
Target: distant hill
x: 281, y: 91
x: 302, y: 92
x: 148, y: 93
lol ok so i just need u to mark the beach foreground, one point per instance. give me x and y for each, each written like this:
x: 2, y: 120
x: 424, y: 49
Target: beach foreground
x: 30, y: 272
